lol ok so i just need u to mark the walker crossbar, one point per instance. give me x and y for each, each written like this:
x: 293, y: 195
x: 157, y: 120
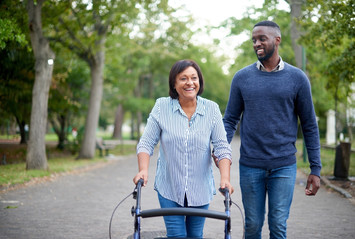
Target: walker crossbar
x: 138, y: 213
x: 183, y: 211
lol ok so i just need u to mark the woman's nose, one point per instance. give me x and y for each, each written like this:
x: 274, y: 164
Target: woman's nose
x: 189, y: 80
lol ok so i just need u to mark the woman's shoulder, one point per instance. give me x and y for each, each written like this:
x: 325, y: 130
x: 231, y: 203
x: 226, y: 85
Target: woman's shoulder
x: 164, y: 100
x: 208, y: 103
x: 165, y: 103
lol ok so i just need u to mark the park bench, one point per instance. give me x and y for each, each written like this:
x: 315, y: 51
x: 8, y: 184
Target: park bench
x: 102, y: 146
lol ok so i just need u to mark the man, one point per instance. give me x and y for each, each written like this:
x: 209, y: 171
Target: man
x: 268, y: 97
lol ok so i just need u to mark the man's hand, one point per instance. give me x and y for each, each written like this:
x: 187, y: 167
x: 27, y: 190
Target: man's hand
x: 313, y: 184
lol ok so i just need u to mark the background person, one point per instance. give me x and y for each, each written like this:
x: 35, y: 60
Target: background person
x: 267, y: 98
x: 185, y: 124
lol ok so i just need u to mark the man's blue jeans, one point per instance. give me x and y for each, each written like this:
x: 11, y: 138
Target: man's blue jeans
x: 278, y: 184
x: 182, y: 226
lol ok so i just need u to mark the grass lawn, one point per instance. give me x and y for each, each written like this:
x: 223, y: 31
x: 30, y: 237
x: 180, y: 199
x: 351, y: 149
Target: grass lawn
x: 14, y: 171
x: 327, y: 158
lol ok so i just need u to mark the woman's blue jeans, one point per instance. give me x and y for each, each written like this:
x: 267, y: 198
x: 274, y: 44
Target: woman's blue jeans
x: 182, y: 226
x: 278, y: 184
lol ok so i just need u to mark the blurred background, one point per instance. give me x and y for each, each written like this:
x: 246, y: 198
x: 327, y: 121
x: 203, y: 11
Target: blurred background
x: 87, y: 71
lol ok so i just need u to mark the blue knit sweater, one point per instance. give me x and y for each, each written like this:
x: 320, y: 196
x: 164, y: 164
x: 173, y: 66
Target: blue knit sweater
x: 268, y: 106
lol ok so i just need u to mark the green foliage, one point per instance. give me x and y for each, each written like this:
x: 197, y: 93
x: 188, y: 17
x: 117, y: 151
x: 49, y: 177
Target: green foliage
x: 329, y: 27
x: 139, y: 104
x: 16, y: 65
x: 9, y: 31
x: 12, y: 23
x: 16, y: 83
x: 329, y: 37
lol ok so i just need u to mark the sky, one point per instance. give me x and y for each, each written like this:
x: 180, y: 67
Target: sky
x: 213, y: 12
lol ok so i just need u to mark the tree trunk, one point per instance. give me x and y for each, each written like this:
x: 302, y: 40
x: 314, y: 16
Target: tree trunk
x: 21, y: 125
x: 60, y: 126
x: 139, y: 122
x: 36, y: 150
x: 117, y: 132
x: 87, y: 150
x: 296, y: 7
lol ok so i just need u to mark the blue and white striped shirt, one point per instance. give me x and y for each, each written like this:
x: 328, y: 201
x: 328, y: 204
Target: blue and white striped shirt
x: 184, y: 164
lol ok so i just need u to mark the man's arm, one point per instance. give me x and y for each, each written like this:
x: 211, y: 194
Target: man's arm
x: 234, y: 110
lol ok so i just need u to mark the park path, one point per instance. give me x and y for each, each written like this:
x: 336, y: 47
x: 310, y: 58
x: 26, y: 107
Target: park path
x: 80, y: 205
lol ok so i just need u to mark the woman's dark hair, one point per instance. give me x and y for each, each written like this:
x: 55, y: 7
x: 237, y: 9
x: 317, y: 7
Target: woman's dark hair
x: 176, y: 69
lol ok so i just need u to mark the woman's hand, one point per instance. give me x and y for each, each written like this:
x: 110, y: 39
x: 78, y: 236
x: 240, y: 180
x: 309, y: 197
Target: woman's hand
x: 226, y: 184
x: 143, y: 174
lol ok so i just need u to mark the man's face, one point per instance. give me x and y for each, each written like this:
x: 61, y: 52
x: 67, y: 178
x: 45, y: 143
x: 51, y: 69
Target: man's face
x: 265, y: 42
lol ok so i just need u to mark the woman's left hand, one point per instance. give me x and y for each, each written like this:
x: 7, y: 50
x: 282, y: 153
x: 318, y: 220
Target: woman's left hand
x: 226, y: 184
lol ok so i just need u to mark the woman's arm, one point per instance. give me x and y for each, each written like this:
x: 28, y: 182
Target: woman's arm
x: 143, y: 166
x: 224, y: 169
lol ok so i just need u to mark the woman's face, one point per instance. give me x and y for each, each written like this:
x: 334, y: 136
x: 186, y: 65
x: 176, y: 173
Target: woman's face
x: 187, y: 84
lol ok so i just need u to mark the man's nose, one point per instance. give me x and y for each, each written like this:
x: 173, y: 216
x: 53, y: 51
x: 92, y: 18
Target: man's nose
x: 257, y: 43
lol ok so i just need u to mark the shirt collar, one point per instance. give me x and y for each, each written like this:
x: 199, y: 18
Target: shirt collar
x: 200, y: 109
x: 279, y: 66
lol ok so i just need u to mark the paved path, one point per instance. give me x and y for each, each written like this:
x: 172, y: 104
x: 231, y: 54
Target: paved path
x: 80, y: 206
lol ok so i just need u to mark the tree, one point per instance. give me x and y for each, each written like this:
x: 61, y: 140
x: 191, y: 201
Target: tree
x: 296, y: 11
x: 84, y: 28
x: 16, y: 71
x: 328, y: 27
x: 66, y: 94
x: 36, y: 151
x: 16, y: 84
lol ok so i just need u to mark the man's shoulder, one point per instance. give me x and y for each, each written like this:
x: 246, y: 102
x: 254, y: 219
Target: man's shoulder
x: 295, y: 71
x: 247, y: 70
x: 293, y: 68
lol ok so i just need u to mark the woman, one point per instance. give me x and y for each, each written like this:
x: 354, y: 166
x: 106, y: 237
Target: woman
x: 185, y: 124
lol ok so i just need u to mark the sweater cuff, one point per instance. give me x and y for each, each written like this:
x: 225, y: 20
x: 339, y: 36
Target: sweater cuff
x: 315, y: 170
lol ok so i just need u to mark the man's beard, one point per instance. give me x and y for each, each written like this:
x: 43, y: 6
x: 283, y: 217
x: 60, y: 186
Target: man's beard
x: 267, y: 54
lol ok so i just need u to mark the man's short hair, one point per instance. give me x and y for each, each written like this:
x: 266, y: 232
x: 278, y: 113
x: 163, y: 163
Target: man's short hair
x: 269, y: 24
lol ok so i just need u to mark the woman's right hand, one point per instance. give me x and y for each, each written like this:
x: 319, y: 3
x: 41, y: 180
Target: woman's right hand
x: 143, y: 174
